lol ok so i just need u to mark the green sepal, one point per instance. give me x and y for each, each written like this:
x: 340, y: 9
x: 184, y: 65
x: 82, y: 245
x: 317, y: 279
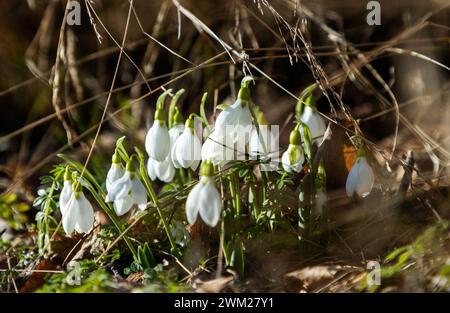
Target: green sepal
x: 207, y: 169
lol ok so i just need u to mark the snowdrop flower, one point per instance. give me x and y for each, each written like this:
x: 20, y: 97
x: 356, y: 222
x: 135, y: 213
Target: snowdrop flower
x: 165, y: 170
x: 204, y: 198
x: 115, y: 172
x: 218, y: 148
x: 361, y: 178
x: 157, y: 141
x: 263, y: 145
x: 78, y: 213
x: 315, y: 122
x: 66, y: 191
x: 127, y: 191
x: 236, y: 120
x: 186, y: 151
x: 293, y: 158
x: 177, y: 128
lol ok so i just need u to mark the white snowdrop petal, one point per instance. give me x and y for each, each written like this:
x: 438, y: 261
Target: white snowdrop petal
x: 85, y: 215
x: 211, y: 149
x: 350, y: 184
x: 151, y: 169
x: 229, y: 116
x: 123, y: 206
x: 245, y: 117
x: 173, y: 155
x: 254, y: 144
x: 65, y: 195
x: 285, y: 162
x: 187, y: 149
x: 126, y: 186
x: 208, y: 149
x: 262, y: 145
x: 299, y: 156
x: 165, y: 171
x: 360, y: 179
x: 157, y: 141
x: 195, y: 165
x: 235, y: 121
x: 70, y: 216
x: 315, y: 123
x: 139, y: 193
x: 218, y: 148
x: 198, y: 128
x: 115, y: 172
x: 365, y: 178
x: 192, y: 203
x: 210, y: 204
x: 196, y: 153
x: 120, y: 188
x: 175, y: 132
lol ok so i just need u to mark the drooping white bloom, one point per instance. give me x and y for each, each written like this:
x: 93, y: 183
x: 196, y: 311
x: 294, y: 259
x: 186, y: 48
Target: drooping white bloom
x: 175, y: 132
x: 293, y: 158
x: 127, y: 191
x: 232, y: 130
x: 263, y: 145
x: 64, y: 197
x: 361, y: 178
x: 115, y: 172
x: 204, y: 198
x: 315, y: 123
x: 164, y: 171
x: 186, y: 151
x: 157, y: 141
x: 78, y: 213
x: 235, y: 120
x: 218, y: 149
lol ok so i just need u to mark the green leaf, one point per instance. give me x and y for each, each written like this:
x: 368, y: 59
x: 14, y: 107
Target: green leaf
x: 243, y: 172
x: 202, y: 110
x: 391, y: 256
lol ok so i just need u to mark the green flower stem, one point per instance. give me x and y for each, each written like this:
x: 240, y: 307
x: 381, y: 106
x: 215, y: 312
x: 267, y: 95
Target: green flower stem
x: 184, y: 178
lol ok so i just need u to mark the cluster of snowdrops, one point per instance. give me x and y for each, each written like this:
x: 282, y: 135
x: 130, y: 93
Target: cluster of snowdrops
x: 172, y: 144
